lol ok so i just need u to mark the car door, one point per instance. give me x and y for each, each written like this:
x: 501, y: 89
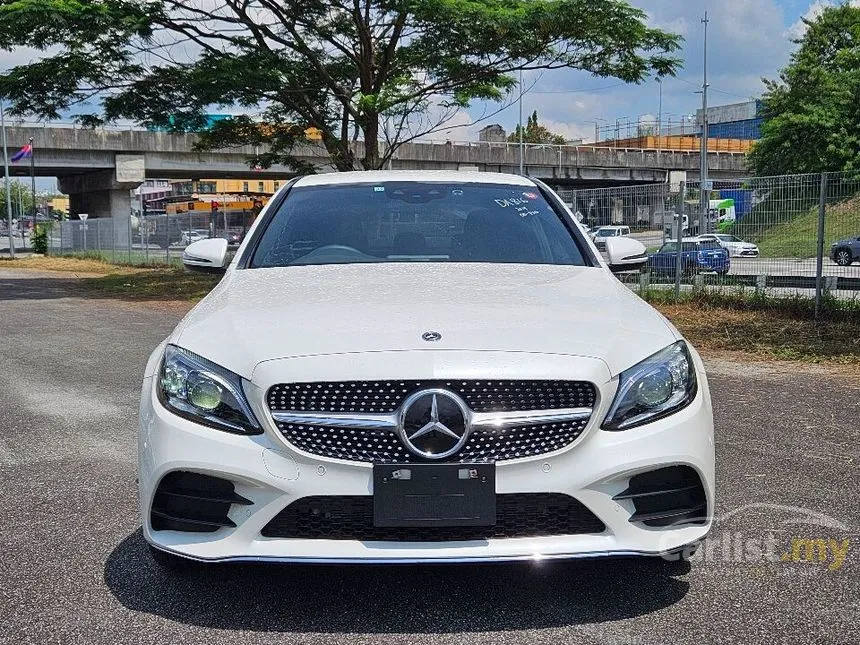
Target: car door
x: 664, y: 259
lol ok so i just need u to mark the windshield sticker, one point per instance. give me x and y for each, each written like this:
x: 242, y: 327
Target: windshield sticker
x: 513, y: 201
x: 379, y: 189
x: 530, y: 195
x: 457, y: 192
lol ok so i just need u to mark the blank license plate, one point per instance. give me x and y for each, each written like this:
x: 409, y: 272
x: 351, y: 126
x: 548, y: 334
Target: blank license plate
x: 434, y: 494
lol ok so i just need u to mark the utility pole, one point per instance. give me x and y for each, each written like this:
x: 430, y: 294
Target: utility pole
x: 659, y: 120
x: 704, y: 192
x: 8, y: 191
x: 521, y: 124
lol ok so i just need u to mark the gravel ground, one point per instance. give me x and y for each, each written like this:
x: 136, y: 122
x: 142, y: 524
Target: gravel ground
x: 75, y: 570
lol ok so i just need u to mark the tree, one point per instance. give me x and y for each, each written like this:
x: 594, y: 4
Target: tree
x: 383, y: 71
x: 812, y: 113
x: 533, y: 132
x: 21, y: 198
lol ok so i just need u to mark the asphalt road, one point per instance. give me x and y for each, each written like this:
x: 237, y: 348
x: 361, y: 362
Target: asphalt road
x: 75, y: 570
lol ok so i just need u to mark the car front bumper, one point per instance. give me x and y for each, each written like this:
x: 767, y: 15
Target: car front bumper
x: 271, y: 474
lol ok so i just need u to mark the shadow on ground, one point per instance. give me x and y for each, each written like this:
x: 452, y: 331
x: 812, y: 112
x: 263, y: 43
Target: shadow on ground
x: 392, y: 599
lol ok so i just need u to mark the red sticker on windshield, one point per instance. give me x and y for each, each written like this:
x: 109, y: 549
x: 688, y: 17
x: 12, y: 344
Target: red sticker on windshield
x: 530, y: 195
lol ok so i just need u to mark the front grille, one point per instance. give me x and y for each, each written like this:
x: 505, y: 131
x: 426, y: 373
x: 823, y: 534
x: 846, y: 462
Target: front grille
x: 351, y: 518
x: 385, y: 397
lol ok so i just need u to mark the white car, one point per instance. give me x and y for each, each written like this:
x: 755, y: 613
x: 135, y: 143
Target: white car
x: 415, y: 367
x: 736, y: 247
x: 194, y: 235
x: 601, y: 234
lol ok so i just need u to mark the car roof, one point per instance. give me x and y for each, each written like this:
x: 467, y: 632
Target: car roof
x: 381, y: 176
x: 613, y: 227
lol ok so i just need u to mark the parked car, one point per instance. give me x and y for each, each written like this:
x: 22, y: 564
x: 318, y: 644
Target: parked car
x: 234, y: 238
x: 697, y: 255
x: 736, y: 247
x: 422, y: 367
x: 194, y: 235
x: 846, y: 251
x: 599, y: 235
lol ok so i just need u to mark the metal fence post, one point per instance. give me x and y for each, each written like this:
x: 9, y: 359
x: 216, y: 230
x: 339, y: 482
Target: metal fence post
x: 680, y: 238
x: 819, y: 254
x: 167, y: 240
x: 129, y: 237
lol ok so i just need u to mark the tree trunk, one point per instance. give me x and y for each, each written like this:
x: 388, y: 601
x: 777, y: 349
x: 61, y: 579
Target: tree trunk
x: 370, y: 126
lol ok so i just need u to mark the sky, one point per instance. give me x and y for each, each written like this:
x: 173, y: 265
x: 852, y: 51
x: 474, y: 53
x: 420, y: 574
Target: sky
x: 747, y: 40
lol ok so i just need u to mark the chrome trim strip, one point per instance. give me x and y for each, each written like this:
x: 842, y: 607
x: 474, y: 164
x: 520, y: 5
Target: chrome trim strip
x: 357, y: 420
x: 369, y: 421
x: 536, y: 557
x: 528, y: 417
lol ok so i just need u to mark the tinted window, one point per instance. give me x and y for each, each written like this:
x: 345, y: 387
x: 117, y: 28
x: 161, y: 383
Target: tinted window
x: 415, y: 222
x: 669, y: 247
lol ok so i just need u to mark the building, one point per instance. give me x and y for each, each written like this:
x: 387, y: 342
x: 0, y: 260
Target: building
x: 734, y: 121
x: 494, y: 133
x: 226, y: 187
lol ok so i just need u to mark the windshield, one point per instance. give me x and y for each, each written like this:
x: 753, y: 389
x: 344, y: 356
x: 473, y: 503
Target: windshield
x: 606, y: 232
x: 416, y: 222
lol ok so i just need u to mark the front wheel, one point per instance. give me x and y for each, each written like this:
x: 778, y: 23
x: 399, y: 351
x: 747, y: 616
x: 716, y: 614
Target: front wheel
x: 842, y: 257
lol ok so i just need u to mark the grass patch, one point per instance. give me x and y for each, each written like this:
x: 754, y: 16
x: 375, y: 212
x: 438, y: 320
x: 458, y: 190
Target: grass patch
x: 153, y: 284
x: 774, y: 327
x: 123, y: 282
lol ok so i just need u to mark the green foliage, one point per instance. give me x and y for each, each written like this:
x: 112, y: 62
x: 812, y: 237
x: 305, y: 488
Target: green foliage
x: 21, y: 198
x: 387, y: 70
x: 533, y: 132
x: 812, y: 113
x: 39, y: 238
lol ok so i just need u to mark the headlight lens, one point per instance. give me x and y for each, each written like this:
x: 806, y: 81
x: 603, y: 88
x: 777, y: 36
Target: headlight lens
x: 658, y: 386
x: 204, y: 392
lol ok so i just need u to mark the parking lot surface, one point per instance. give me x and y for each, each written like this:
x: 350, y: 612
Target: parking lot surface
x: 75, y: 568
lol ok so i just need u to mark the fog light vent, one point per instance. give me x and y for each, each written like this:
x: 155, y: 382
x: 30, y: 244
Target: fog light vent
x: 193, y: 502
x: 667, y: 497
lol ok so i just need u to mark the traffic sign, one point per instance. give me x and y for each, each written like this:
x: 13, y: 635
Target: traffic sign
x: 83, y: 216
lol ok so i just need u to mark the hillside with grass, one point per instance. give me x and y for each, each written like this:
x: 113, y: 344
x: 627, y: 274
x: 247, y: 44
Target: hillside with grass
x: 789, y: 228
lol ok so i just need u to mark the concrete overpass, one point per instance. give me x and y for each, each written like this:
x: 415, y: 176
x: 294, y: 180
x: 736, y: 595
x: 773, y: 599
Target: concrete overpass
x: 97, y: 168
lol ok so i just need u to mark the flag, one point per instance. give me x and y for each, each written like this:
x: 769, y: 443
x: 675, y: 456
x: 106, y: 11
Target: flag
x: 23, y: 153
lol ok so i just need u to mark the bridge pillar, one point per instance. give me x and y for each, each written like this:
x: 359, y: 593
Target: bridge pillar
x: 100, y: 194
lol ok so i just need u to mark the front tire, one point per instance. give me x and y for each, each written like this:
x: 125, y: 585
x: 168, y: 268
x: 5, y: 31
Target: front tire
x: 842, y: 257
x: 169, y: 561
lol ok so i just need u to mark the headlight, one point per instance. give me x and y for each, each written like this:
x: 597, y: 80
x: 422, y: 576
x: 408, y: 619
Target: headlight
x: 204, y: 392
x: 658, y: 386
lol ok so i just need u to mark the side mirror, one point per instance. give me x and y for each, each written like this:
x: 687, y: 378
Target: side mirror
x: 625, y: 254
x: 206, y: 256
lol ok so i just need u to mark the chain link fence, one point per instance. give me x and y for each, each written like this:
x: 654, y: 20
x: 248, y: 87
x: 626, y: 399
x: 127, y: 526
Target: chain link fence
x: 152, y: 240
x: 772, y: 231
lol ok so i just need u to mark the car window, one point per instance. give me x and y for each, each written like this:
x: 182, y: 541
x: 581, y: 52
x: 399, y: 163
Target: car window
x: 669, y: 247
x: 416, y: 222
x: 710, y: 244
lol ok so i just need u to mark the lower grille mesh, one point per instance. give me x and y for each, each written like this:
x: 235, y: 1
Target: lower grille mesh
x: 351, y: 518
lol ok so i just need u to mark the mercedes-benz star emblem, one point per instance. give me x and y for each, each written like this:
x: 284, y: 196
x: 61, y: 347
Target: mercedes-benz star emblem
x: 431, y: 336
x: 434, y: 423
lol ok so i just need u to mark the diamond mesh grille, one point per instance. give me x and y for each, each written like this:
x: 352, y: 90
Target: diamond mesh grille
x: 382, y: 446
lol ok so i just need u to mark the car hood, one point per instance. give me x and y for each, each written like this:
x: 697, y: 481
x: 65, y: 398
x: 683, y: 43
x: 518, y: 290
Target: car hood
x: 255, y: 315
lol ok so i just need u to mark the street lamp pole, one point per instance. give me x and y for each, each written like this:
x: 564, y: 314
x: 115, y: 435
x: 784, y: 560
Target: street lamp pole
x: 704, y: 193
x: 659, y: 119
x: 521, y: 124
x: 8, y: 191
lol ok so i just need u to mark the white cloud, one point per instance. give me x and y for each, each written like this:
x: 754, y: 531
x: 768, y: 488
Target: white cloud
x: 798, y: 29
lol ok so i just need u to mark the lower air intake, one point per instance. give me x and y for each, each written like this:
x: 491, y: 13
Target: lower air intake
x: 193, y: 502
x: 667, y: 497
x: 351, y: 518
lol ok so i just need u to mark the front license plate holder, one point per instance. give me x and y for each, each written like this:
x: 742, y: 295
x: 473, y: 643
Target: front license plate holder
x: 425, y: 495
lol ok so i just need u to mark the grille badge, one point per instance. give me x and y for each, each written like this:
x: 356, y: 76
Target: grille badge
x: 431, y: 336
x: 434, y: 423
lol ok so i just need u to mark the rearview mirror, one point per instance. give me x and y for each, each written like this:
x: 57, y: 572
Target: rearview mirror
x: 625, y: 254
x: 206, y: 256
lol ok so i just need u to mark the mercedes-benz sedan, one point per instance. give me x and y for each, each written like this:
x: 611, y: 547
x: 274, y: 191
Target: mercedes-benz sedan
x: 422, y: 367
